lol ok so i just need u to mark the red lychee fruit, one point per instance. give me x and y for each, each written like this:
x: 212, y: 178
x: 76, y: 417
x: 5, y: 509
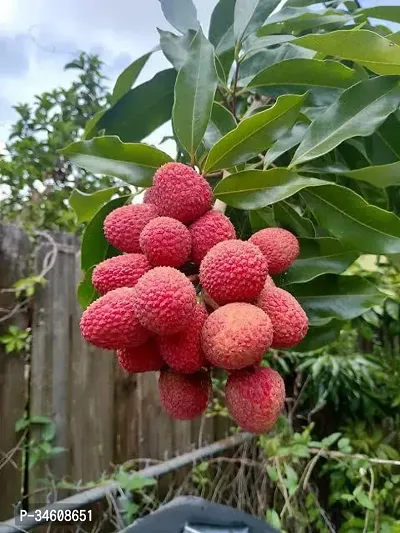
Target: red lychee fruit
x: 143, y: 358
x: 279, y: 246
x: 209, y: 230
x: 164, y: 300
x: 110, y: 322
x: 119, y: 271
x: 233, y: 271
x: 166, y: 242
x: 123, y: 226
x: 255, y: 398
x: 184, y: 396
x: 180, y: 192
x: 289, y: 321
x: 147, y: 195
x: 183, y: 352
x: 236, y: 335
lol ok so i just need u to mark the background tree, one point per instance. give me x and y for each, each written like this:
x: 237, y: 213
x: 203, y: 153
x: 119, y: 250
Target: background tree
x: 35, y: 180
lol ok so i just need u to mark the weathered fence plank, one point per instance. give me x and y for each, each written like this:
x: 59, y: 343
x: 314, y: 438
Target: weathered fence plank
x: 14, y: 255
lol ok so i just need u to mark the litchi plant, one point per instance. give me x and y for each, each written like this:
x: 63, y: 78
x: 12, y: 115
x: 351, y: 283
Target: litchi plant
x: 241, y: 246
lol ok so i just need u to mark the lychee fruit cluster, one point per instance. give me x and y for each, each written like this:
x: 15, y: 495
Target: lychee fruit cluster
x: 187, y: 298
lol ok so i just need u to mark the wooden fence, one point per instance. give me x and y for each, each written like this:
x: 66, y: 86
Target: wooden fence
x: 103, y: 416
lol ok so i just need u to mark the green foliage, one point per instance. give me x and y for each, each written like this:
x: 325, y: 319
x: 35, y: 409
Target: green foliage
x: 41, y: 431
x: 35, y: 179
x: 15, y: 339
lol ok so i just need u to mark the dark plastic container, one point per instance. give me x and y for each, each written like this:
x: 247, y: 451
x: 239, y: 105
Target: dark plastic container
x: 195, y: 515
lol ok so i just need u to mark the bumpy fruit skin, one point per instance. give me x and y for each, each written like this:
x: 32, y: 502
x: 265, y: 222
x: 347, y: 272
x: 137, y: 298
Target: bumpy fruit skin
x: 279, y: 246
x: 166, y: 242
x: 236, y: 335
x: 180, y: 192
x: 184, y: 396
x: 143, y: 358
x: 289, y: 321
x: 183, y: 352
x: 209, y: 230
x: 123, y: 226
x: 119, y: 271
x: 147, y: 195
x: 164, y: 300
x: 110, y: 322
x: 233, y: 271
x: 255, y: 398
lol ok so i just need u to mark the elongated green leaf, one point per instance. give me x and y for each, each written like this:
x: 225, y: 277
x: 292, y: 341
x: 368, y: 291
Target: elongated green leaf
x: 194, y: 94
x: 181, y: 14
x: 250, y: 15
x: 290, y: 219
x: 128, y: 77
x: 320, y: 256
x: 95, y: 248
x: 291, y: 139
x: 86, y: 205
x: 222, y: 122
x: 255, y: 134
x: 142, y: 109
x: 318, y: 337
x: 338, y: 297
x: 221, y: 26
x: 291, y: 19
x: 306, y: 73
x: 391, y: 13
x: 379, y: 176
x: 259, y: 61
x: 176, y: 47
x: 253, y: 43
x: 91, y: 125
x: 262, y: 218
x: 365, y: 47
x: 253, y: 189
x: 133, y: 163
x: 359, y: 111
x: 347, y: 216
x: 86, y: 293
x: 389, y: 135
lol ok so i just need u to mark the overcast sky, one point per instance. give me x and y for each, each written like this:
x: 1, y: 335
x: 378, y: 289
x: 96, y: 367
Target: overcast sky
x: 37, y: 37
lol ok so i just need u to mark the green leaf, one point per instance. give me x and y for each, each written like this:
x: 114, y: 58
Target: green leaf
x: 306, y: 73
x: 253, y: 43
x: 290, y: 19
x: 391, y: 13
x: 49, y: 432
x: 222, y: 122
x: 263, y: 59
x: 181, y: 14
x: 255, y: 134
x: 389, y: 135
x: 364, y: 500
x: 86, y: 205
x: 133, y: 163
x: 128, y: 77
x: 262, y: 218
x: 86, y: 293
x: 290, y: 219
x: 221, y: 26
x: 379, y: 176
x: 359, y: 111
x: 95, y: 248
x: 328, y: 441
x: 365, y: 47
x: 194, y: 94
x: 339, y: 297
x: 91, y: 125
x: 288, y: 141
x: 253, y: 189
x: 250, y: 15
x: 320, y: 256
x: 142, y: 109
x: 319, y: 336
x: 176, y: 47
x: 347, y: 216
